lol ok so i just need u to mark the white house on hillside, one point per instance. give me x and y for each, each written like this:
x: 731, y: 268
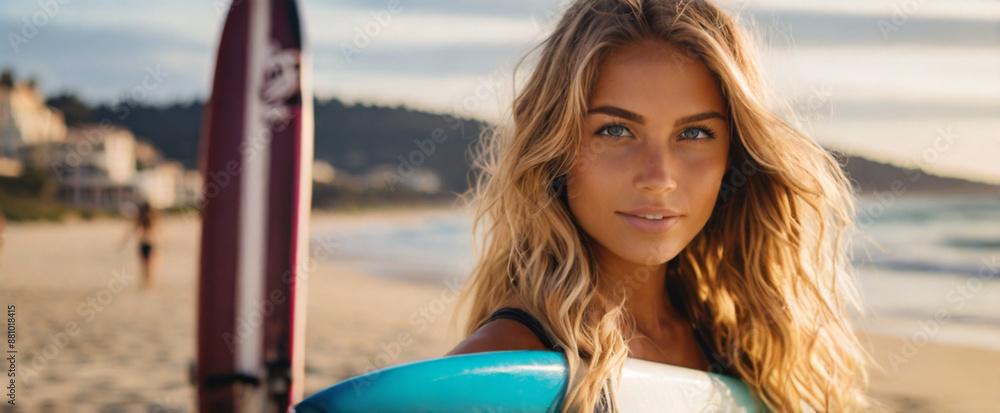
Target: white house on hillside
x: 25, y: 120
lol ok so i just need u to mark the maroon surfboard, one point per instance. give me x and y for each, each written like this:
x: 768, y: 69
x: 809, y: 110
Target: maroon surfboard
x: 256, y: 157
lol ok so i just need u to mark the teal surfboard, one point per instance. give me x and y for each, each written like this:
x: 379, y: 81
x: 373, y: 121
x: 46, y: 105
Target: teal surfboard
x: 523, y: 381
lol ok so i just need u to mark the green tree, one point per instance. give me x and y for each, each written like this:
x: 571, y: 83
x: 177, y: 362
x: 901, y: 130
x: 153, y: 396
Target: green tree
x: 75, y: 110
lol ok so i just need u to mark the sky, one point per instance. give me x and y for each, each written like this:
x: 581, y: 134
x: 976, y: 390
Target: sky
x: 886, y: 66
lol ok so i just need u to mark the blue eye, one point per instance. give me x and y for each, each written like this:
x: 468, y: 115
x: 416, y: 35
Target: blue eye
x: 614, y: 130
x: 698, y: 133
x: 618, y: 131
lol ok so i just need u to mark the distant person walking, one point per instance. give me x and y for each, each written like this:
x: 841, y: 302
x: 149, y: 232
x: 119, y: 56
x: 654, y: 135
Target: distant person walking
x: 146, y: 226
x: 3, y: 230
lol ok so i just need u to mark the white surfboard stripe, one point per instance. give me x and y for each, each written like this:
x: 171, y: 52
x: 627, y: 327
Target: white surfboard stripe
x: 253, y: 204
x: 300, y: 260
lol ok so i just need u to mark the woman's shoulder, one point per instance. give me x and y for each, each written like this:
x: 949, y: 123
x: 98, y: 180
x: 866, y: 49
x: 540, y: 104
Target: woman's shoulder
x: 501, y: 334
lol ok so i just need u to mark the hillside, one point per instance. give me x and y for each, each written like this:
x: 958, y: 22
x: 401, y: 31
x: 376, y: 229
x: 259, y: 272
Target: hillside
x: 356, y: 138
x: 353, y: 138
x: 870, y: 176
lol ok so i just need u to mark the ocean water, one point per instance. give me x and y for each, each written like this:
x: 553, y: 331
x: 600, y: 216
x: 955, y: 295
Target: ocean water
x: 929, y: 267
x: 432, y: 250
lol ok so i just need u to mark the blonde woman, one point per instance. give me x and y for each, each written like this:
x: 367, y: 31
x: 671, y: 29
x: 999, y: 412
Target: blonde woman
x: 644, y: 200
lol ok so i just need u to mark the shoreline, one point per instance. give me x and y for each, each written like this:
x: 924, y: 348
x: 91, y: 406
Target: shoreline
x: 133, y: 355
x: 932, y: 377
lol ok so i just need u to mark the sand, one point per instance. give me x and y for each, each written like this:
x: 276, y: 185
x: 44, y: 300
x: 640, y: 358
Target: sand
x: 90, y: 339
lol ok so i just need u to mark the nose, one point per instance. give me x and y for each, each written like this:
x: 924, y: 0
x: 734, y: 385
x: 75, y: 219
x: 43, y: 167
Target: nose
x: 656, y: 171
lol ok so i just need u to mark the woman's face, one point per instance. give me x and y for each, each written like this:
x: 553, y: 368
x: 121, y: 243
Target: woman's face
x: 654, y: 150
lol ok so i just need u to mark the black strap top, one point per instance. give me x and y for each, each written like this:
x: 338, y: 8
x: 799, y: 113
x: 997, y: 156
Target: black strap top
x: 529, y: 321
x: 536, y: 327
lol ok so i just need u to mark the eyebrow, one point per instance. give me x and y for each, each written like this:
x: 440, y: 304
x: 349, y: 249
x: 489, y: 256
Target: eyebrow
x: 637, y: 118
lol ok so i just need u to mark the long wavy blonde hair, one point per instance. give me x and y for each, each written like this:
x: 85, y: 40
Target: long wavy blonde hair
x: 769, y: 276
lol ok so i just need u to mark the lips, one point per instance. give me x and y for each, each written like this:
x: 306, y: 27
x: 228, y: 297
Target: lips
x: 636, y: 219
x: 665, y: 212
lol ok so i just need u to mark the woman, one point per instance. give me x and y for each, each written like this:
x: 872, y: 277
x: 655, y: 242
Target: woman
x: 147, y: 228
x: 3, y: 228
x: 645, y: 201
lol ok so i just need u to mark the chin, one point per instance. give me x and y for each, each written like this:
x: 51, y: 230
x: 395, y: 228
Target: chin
x: 650, y: 253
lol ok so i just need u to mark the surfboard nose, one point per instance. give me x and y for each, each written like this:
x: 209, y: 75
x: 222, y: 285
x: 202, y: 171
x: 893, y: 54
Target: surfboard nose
x: 524, y: 381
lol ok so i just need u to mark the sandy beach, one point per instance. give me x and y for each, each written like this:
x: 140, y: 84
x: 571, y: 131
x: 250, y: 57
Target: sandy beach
x: 89, y: 339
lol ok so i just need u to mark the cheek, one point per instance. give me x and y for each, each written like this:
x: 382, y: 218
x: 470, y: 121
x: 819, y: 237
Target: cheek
x: 587, y: 188
x: 703, y: 181
x: 578, y: 188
